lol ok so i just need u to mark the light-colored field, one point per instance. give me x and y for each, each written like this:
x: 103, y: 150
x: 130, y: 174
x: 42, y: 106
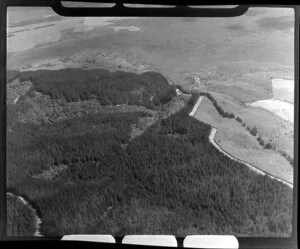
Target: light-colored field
x: 253, y: 168
x: 242, y: 88
x: 228, y: 103
x: 283, y: 89
x: 237, y: 141
x: 282, y: 109
x: 270, y: 127
x: 282, y: 102
x: 274, y: 117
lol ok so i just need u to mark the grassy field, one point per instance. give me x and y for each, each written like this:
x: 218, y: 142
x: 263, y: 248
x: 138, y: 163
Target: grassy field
x: 237, y: 141
x: 271, y: 127
x: 243, y: 89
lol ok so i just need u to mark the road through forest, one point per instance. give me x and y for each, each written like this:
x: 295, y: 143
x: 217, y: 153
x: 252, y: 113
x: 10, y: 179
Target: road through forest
x: 37, y: 219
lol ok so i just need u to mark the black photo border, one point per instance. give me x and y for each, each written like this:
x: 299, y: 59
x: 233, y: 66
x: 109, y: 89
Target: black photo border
x: 181, y: 10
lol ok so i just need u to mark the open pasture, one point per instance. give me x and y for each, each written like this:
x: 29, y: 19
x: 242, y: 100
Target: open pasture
x: 237, y: 141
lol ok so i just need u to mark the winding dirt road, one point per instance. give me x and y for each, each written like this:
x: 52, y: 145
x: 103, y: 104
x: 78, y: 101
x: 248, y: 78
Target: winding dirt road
x: 38, y: 221
x: 212, y: 140
x: 196, y: 106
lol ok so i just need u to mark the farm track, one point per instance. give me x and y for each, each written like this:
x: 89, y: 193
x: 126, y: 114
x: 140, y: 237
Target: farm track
x: 38, y: 220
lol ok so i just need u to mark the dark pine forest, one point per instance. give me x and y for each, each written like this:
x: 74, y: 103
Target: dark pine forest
x: 149, y: 89
x: 169, y: 180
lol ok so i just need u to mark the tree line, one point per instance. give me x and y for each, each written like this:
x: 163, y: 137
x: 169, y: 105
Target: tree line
x: 220, y: 110
x: 149, y: 89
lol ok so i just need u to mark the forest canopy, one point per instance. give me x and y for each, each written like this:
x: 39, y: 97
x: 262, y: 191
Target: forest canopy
x: 87, y: 175
x: 149, y: 89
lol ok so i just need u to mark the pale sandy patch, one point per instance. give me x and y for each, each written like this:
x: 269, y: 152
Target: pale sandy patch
x: 283, y: 89
x: 282, y: 109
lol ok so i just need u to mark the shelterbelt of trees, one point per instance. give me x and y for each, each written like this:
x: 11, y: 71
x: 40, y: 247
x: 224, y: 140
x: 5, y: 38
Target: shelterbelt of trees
x: 170, y: 180
x: 253, y: 131
x: 149, y: 89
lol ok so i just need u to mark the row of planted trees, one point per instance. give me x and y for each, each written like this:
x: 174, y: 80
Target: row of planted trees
x: 253, y: 131
x: 220, y: 110
x: 268, y: 145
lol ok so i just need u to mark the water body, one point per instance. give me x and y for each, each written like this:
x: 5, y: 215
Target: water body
x: 282, y: 103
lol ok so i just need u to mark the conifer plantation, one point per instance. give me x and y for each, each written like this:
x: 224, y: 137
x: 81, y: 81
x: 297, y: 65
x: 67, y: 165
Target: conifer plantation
x: 168, y: 180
